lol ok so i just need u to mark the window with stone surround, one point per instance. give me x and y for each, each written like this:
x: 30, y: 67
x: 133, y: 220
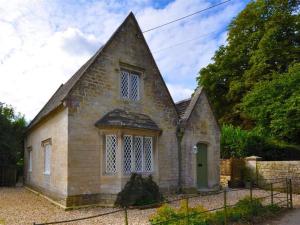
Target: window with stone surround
x: 29, y: 149
x: 130, y: 85
x: 47, y: 158
x: 137, y: 154
x: 110, y: 154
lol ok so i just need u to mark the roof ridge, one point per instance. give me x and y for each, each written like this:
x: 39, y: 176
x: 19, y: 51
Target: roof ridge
x: 183, y: 100
x: 33, y: 120
x: 192, y: 103
x: 75, y: 77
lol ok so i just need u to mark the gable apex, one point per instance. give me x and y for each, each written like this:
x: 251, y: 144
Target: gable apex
x: 62, y: 93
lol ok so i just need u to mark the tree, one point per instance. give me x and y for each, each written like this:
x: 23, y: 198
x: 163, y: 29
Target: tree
x: 12, y: 127
x: 275, y: 105
x: 263, y: 40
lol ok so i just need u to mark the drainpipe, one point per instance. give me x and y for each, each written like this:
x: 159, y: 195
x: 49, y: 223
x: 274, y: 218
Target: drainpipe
x: 179, y: 134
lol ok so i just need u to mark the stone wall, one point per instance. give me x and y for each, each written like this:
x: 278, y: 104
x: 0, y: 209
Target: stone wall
x: 55, y: 127
x: 97, y: 93
x: 201, y: 127
x: 265, y: 172
x: 274, y: 171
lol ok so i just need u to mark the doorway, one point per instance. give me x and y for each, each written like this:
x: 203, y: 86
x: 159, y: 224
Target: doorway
x: 202, y: 175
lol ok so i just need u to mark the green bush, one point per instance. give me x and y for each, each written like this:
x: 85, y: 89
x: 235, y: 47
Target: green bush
x: 239, y: 143
x: 244, y: 211
x: 233, y: 142
x: 139, y: 191
x: 171, y: 216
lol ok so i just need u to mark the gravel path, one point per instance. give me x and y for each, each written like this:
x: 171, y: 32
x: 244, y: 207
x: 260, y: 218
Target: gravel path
x: 20, y: 206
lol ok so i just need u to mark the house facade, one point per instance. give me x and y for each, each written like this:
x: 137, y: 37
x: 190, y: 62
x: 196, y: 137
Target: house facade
x: 115, y: 116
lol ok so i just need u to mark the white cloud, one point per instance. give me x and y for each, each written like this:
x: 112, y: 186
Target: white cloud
x: 42, y: 43
x: 179, y: 92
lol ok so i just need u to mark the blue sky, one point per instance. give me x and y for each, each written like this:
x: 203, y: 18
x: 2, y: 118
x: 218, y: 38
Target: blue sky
x: 42, y: 43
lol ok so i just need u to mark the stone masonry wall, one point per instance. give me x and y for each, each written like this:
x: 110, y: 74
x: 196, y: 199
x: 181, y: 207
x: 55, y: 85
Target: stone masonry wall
x: 274, y: 171
x: 97, y: 93
x: 55, y: 184
x: 201, y: 128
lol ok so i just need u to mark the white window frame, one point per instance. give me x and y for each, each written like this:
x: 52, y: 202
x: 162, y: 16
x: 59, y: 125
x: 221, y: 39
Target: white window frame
x: 130, y: 75
x: 133, y: 161
x: 47, y: 158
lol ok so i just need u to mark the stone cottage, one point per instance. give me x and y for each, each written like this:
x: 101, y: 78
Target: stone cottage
x: 115, y: 116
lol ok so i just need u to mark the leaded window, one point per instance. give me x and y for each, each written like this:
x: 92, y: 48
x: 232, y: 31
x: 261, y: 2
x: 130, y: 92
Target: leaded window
x: 134, y: 87
x: 110, y: 154
x: 124, y: 84
x: 148, y: 154
x: 130, y: 85
x: 128, y: 148
x: 138, y: 154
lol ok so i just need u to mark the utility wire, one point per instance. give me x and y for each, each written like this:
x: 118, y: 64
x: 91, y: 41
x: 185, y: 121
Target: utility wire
x: 183, y: 42
x: 181, y: 18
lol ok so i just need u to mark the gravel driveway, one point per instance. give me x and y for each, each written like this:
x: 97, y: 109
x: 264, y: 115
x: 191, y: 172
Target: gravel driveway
x: 20, y: 206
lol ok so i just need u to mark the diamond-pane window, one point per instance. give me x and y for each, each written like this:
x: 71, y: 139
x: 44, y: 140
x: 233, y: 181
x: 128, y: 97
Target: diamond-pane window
x: 127, y: 146
x: 110, y: 154
x: 124, y: 84
x: 134, y: 87
x: 130, y: 85
x: 148, y: 155
x: 138, y: 153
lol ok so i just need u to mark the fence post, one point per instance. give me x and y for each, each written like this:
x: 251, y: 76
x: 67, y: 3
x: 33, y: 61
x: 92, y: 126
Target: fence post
x: 291, y: 193
x: 186, y: 200
x: 225, y: 207
x: 272, y: 197
x: 126, y: 216
x: 287, y: 192
x: 251, y: 191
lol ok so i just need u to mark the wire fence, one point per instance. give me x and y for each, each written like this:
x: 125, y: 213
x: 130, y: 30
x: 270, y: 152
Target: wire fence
x: 282, y: 196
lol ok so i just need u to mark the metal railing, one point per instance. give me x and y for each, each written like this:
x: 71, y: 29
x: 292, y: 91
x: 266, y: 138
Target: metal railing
x: 273, y: 196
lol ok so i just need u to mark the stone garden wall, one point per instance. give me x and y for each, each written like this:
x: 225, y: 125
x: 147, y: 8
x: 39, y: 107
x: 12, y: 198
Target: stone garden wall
x: 260, y: 172
x: 274, y: 171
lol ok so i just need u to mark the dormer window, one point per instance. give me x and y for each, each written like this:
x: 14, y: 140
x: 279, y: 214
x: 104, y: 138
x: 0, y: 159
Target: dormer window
x: 130, y: 85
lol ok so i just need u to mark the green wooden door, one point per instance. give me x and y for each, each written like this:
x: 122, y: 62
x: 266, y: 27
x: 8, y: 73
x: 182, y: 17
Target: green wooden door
x: 202, y: 166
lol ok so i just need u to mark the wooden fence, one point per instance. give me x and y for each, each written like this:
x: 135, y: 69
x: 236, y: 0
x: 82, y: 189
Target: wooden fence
x: 8, y: 175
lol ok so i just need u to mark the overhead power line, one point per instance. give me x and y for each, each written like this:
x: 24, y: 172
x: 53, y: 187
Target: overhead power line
x: 183, y: 42
x: 184, y: 17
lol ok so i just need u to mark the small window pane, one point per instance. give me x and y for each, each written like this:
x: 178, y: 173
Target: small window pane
x: 134, y: 87
x: 127, y: 145
x: 47, y: 160
x: 138, y: 153
x: 148, y: 154
x: 110, y: 156
x: 124, y: 84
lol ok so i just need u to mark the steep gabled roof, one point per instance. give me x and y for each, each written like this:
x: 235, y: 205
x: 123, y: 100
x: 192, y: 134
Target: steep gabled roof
x: 126, y: 119
x: 62, y: 92
x: 181, y: 106
x: 185, y: 107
